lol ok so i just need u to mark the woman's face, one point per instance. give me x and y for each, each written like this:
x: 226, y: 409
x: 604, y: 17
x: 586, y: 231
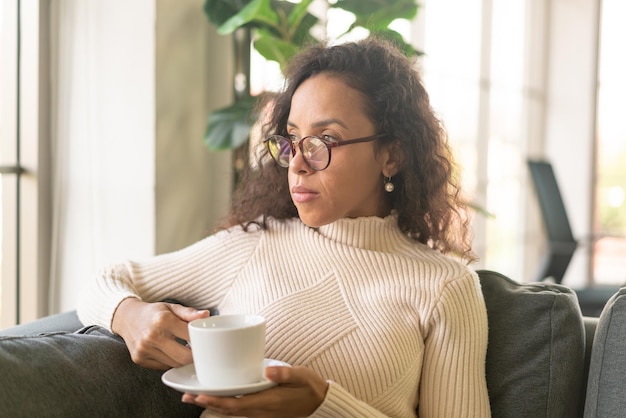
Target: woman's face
x: 352, y: 185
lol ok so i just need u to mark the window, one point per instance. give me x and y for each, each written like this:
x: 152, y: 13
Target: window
x: 507, y: 79
x: 475, y: 77
x: 609, y: 258
x: 8, y: 160
x: 24, y: 129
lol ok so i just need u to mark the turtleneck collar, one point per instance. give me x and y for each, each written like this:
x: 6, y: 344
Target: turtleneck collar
x: 369, y: 233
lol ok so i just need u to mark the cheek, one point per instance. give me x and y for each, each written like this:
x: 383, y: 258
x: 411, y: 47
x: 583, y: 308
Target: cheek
x: 355, y: 183
x: 364, y: 171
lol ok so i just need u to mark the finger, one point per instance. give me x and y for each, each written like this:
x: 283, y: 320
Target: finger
x: 160, y: 346
x: 299, y: 377
x: 158, y: 358
x: 189, y: 398
x: 188, y: 314
x: 202, y: 401
x: 287, y: 375
x: 185, y: 315
x: 175, y: 354
x: 222, y: 405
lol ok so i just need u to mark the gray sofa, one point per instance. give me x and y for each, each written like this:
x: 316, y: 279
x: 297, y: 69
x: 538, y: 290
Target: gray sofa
x: 606, y: 388
x: 544, y: 358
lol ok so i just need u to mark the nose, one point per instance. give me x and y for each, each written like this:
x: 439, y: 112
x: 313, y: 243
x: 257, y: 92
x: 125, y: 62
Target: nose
x: 297, y: 162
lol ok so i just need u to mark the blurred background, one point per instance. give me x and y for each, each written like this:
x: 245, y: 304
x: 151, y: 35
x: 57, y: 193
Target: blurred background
x: 104, y: 108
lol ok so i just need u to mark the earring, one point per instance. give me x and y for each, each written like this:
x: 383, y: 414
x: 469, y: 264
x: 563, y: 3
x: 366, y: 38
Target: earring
x: 389, y: 185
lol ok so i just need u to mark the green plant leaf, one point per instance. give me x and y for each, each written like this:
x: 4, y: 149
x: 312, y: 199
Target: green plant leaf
x: 273, y: 48
x: 378, y: 14
x: 298, y: 13
x: 480, y: 210
x: 219, y: 11
x: 256, y: 13
x: 400, y: 9
x: 229, y: 127
x: 301, y: 34
x: 397, y: 39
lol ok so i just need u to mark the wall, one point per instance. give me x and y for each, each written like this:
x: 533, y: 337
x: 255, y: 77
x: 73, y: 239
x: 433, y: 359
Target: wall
x: 192, y: 77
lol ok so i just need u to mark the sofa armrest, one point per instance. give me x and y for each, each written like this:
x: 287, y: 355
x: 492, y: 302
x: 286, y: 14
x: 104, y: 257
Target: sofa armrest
x: 62, y: 322
x: 605, y: 388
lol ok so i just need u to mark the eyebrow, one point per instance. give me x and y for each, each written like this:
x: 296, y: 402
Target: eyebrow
x: 322, y: 123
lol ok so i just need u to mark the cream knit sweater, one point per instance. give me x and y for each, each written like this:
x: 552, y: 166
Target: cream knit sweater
x: 392, y: 324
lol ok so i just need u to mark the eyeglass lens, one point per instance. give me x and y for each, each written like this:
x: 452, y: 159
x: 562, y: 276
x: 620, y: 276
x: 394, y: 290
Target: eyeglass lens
x: 314, y: 151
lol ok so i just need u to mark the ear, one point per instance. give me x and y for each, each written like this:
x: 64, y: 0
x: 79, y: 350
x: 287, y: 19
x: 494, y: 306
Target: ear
x: 391, y: 160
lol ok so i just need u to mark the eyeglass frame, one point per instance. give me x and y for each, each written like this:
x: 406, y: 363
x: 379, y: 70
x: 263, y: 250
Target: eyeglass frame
x: 329, y: 145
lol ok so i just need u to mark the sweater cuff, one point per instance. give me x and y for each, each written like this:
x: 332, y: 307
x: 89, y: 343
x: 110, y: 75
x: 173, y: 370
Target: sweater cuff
x: 340, y: 403
x: 102, y: 315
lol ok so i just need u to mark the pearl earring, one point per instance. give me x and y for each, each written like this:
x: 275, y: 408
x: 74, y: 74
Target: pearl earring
x: 389, y: 187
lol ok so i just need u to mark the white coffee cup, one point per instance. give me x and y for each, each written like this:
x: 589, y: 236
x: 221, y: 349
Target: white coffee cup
x: 228, y: 350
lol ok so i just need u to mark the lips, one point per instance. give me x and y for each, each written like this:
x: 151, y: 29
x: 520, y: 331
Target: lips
x: 301, y: 194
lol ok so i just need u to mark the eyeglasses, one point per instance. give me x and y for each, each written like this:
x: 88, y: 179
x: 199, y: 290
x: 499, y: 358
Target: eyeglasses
x: 315, y: 150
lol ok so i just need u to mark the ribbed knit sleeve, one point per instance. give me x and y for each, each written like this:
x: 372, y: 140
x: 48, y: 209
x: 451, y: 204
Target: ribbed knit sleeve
x: 452, y: 382
x: 453, y: 375
x: 197, y: 276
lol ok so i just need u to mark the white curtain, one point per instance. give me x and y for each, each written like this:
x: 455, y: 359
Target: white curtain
x: 102, y: 139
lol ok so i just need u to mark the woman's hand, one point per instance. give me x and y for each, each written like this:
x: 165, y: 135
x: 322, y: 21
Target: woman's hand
x: 299, y: 393
x: 150, y: 331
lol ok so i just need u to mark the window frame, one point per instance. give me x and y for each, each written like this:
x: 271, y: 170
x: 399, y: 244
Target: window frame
x: 26, y: 232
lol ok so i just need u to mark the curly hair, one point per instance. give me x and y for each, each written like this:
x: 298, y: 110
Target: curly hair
x: 427, y: 195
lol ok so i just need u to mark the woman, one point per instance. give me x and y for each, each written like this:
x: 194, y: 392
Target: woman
x: 339, y: 240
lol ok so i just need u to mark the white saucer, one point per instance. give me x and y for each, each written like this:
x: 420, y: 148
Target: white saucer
x: 184, y: 379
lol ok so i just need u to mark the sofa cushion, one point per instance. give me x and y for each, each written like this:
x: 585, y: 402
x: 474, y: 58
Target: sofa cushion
x: 84, y: 374
x: 536, y: 349
x: 606, y: 393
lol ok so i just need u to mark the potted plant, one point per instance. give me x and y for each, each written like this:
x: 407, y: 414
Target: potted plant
x: 278, y: 29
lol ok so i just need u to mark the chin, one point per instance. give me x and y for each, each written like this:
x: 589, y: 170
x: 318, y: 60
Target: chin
x: 314, y: 221
x: 312, y: 224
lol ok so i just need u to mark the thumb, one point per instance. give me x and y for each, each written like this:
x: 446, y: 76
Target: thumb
x: 286, y: 374
x: 188, y: 314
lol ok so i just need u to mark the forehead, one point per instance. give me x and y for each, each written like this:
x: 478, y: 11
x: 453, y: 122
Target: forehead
x: 326, y: 97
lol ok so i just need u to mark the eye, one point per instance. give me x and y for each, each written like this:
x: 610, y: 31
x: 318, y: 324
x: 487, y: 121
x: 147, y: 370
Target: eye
x: 292, y: 137
x: 329, y: 138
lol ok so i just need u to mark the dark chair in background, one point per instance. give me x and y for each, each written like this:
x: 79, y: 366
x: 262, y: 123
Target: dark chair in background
x: 561, y: 241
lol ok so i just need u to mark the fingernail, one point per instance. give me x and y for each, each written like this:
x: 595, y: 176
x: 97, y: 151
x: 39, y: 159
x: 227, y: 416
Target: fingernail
x: 271, y: 373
